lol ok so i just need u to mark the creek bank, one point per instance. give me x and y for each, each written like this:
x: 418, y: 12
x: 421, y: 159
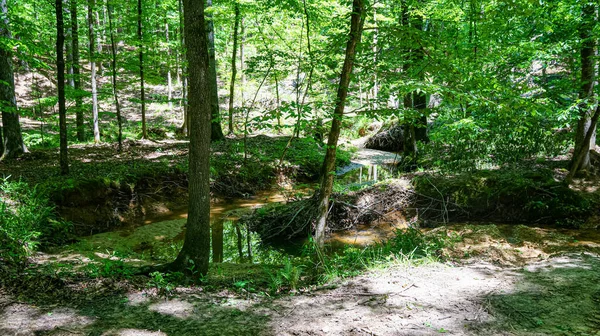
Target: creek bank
x: 106, y: 189
x: 426, y: 200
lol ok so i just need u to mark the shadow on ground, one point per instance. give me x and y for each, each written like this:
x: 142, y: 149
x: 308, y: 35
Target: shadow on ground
x: 557, y: 297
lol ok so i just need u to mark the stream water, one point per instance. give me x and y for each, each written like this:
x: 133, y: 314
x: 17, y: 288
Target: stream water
x: 162, y: 236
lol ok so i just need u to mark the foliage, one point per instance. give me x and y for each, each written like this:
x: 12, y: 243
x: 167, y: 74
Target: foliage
x: 26, y: 221
x: 507, y: 195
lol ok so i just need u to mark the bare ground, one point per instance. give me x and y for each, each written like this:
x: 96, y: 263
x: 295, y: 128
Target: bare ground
x: 555, y: 296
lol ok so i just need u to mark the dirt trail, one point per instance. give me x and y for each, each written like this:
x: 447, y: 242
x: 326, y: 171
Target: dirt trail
x: 557, y: 296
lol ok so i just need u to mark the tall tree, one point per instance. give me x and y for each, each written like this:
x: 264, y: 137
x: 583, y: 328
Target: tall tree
x: 76, y: 72
x: 216, y: 129
x: 114, y: 74
x: 236, y: 25
x: 140, y: 37
x: 196, y: 246
x: 92, y: 40
x: 60, y: 80
x: 586, y: 92
x: 328, y: 170
x: 12, y: 139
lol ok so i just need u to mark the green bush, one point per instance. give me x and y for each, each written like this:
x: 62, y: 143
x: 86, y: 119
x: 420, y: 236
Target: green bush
x: 26, y: 221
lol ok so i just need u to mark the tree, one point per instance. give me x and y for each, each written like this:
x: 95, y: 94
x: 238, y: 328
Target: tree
x: 236, y: 25
x: 196, y: 247
x: 92, y: 50
x: 76, y: 72
x: 12, y: 139
x: 114, y: 75
x: 60, y: 80
x: 586, y: 93
x: 328, y: 170
x: 140, y: 37
x: 216, y: 129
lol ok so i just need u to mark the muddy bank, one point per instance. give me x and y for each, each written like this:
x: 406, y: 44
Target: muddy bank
x: 502, y: 196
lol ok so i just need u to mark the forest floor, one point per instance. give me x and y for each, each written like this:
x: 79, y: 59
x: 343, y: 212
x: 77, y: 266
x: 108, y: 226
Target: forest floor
x: 500, y: 280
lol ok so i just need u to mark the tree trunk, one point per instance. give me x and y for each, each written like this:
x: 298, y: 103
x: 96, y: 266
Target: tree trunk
x: 217, y: 241
x: 584, y: 151
x: 76, y: 72
x: 60, y: 80
x: 216, y: 130
x: 415, y: 103
x: 196, y: 246
x: 113, y: 48
x: 184, y: 87
x: 141, y: 60
x: 357, y: 21
x: 12, y: 138
x: 169, y: 79
x: 92, y: 39
x: 236, y: 25
x: 586, y: 93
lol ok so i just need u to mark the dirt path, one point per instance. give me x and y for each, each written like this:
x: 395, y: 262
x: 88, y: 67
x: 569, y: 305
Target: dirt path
x: 557, y: 296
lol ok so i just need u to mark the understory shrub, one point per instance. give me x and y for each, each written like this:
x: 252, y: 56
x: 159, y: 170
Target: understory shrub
x: 26, y: 221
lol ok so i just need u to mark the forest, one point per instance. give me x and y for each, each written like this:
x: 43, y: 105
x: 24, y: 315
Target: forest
x: 299, y: 167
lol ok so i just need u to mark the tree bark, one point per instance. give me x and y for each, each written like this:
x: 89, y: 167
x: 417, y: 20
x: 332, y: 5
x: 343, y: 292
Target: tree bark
x: 76, y: 72
x: 356, y: 27
x: 60, y: 80
x: 216, y: 129
x: 92, y: 40
x: 586, y: 92
x: 140, y: 37
x: 236, y: 25
x: 12, y: 138
x: 186, y: 124
x: 114, y: 77
x: 217, y: 241
x: 196, y: 246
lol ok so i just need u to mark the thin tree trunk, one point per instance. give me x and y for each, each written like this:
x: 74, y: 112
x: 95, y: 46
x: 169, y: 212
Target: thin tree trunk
x: 76, y: 72
x: 356, y: 27
x: 249, y: 243
x: 233, y: 66
x: 60, y: 80
x: 242, y: 59
x: 169, y: 80
x: 114, y: 77
x: 216, y: 129
x: 12, y: 138
x: 141, y: 60
x: 196, y: 247
x: 586, y: 92
x: 99, y: 39
x: 184, y: 84
x: 217, y: 241
x: 239, y: 241
x: 92, y: 39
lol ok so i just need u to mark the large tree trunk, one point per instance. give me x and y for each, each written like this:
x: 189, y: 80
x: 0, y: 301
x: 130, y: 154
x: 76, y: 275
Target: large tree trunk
x: 114, y: 76
x: 60, y: 80
x: 196, y: 246
x: 76, y: 72
x: 141, y: 60
x: 357, y: 21
x: 92, y: 40
x: 12, y: 139
x: 216, y: 129
x: 586, y: 93
x: 236, y: 25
